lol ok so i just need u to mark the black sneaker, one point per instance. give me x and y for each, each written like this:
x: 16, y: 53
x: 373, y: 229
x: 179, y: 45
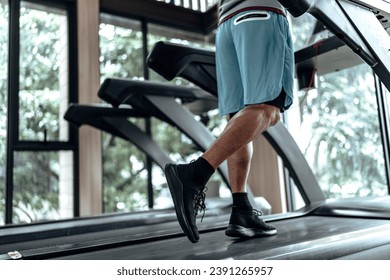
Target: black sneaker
x: 188, y: 198
x: 248, y: 224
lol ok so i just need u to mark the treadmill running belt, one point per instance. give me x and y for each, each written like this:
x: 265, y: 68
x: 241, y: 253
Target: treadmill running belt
x: 298, y: 238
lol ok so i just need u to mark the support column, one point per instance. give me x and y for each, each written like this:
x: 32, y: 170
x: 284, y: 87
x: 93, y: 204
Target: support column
x: 90, y: 156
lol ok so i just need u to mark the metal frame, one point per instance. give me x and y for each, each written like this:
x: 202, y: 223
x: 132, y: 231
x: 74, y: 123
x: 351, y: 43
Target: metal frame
x: 384, y: 124
x: 148, y: 124
x: 13, y: 104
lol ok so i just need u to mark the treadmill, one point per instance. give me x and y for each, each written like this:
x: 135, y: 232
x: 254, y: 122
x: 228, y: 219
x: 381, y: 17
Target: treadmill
x: 322, y: 230
x: 340, y: 229
x: 336, y: 229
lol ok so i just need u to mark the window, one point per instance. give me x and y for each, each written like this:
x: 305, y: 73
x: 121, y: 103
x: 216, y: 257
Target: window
x: 40, y: 143
x: 337, y: 129
x: 42, y: 184
x: 4, y: 14
x: 43, y: 83
x: 121, y: 48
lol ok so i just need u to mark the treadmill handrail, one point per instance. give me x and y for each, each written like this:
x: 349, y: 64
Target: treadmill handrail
x: 357, y: 27
x: 114, y: 121
x: 171, y: 60
x: 123, y: 89
x: 299, y: 7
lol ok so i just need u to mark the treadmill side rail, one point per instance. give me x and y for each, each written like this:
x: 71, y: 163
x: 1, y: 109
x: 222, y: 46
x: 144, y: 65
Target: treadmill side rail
x: 114, y: 121
x: 333, y: 17
x: 297, y: 7
x: 374, y: 35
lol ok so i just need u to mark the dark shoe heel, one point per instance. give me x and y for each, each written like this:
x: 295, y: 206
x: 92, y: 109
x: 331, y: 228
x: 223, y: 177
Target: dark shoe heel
x: 243, y: 232
x: 239, y: 231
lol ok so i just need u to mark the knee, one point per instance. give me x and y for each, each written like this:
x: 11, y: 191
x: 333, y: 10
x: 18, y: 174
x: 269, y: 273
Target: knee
x: 269, y: 113
x: 273, y: 116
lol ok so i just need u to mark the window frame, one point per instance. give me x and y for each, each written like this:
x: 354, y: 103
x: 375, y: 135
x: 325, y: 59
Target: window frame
x: 13, y: 142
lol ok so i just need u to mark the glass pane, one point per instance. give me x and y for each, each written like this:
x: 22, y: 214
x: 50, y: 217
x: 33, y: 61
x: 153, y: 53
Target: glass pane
x: 124, y: 165
x: 43, y: 186
x: 337, y: 128
x: 121, y: 48
x: 43, y: 77
x: 302, y: 29
x: 3, y: 103
x: 125, y: 176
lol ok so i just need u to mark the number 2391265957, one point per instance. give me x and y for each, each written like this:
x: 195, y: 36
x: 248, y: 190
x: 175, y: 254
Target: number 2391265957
x: 224, y: 270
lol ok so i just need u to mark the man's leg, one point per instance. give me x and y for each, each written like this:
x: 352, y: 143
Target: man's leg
x: 244, y: 220
x: 186, y: 182
x: 240, y: 130
x: 238, y: 168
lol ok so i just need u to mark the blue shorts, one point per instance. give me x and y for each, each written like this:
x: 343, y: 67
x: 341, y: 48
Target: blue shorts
x: 255, y: 61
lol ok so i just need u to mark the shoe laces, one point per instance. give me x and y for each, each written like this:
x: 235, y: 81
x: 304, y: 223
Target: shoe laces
x: 199, y: 203
x: 257, y: 212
